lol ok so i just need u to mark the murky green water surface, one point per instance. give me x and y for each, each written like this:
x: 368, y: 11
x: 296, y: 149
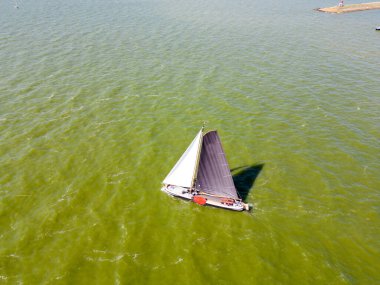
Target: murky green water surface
x: 98, y: 99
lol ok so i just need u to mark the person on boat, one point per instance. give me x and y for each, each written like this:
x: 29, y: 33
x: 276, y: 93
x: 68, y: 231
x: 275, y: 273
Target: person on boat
x: 341, y: 3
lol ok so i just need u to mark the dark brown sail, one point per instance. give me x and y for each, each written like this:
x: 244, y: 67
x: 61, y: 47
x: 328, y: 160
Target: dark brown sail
x: 214, y: 176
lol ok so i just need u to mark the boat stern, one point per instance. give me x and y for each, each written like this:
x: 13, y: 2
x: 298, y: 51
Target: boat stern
x: 247, y: 207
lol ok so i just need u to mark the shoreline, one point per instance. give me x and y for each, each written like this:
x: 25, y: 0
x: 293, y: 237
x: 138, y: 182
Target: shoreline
x: 351, y: 8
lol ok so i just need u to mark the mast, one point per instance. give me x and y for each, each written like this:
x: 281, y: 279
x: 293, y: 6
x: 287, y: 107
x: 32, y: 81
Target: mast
x: 197, y: 161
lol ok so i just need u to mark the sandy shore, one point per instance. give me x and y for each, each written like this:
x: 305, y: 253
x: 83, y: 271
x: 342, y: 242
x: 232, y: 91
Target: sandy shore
x: 351, y: 8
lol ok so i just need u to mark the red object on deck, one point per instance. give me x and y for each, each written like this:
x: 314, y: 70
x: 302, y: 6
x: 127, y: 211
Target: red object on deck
x: 199, y: 200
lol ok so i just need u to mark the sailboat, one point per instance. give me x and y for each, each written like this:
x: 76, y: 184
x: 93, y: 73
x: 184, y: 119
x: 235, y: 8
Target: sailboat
x: 202, y: 175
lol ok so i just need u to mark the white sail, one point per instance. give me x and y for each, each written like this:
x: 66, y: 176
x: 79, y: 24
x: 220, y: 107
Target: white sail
x: 182, y: 173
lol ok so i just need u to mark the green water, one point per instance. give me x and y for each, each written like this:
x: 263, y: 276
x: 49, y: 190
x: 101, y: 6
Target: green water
x: 98, y: 99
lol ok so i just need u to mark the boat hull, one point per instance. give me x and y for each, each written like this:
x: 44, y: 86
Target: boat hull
x: 184, y: 193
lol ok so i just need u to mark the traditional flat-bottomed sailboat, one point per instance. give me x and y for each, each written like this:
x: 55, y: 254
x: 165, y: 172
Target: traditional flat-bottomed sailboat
x: 203, y: 176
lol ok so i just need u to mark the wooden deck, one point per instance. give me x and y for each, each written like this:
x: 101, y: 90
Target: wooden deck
x: 351, y: 8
